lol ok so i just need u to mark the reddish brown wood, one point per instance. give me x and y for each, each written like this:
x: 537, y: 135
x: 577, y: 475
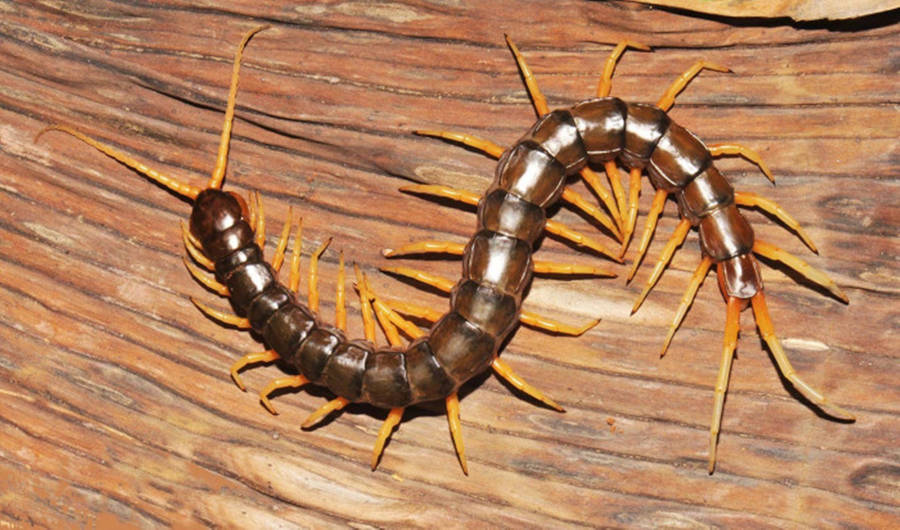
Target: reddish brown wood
x: 116, y: 404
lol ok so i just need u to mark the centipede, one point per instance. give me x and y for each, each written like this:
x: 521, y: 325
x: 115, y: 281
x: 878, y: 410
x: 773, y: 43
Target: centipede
x: 225, y: 235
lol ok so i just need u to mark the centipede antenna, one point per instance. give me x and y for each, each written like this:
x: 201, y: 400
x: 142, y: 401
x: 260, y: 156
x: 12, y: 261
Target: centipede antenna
x: 537, y: 98
x: 593, y: 181
x: 574, y: 198
x: 278, y: 257
x: 207, y: 281
x: 668, y: 99
x: 260, y: 224
x: 634, y: 193
x: 503, y: 370
x: 767, y: 331
x: 365, y: 307
x: 194, y: 249
x: 313, y: 296
x: 426, y: 247
x: 452, y: 403
x: 224, y: 318
x: 687, y: 299
x: 324, y: 410
x: 570, y: 269
x: 659, y: 202
x: 718, y: 150
x: 604, y: 86
x: 554, y: 326
x: 294, y: 282
x: 218, y: 173
x: 732, y: 321
x: 436, y: 190
x: 752, y: 200
x: 393, y: 418
x: 615, y: 183
x: 181, y: 188
x: 559, y: 229
x: 774, y: 253
x: 267, y: 356
x: 674, y: 242
x: 293, y: 381
x: 485, y: 146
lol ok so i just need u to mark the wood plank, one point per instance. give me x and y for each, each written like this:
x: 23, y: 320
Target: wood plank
x: 117, y: 407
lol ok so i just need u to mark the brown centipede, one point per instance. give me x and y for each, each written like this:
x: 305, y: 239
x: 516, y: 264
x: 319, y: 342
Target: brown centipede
x: 606, y: 131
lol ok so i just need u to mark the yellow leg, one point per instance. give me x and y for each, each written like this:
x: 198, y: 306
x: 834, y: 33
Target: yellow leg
x: 634, y: 193
x: 752, y: 200
x: 659, y: 202
x: 260, y: 224
x: 732, y: 321
x: 559, y: 229
x: 390, y: 319
x: 365, y: 307
x: 443, y: 191
x: 574, y: 198
x: 552, y: 267
x: 313, y: 297
x: 208, y: 281
x: 224, y: 318
x: 503, y: 370
x: 295, y: 258
x: 605, y: 85
x: 251, y: 209
x: 452, y: 403
x: 615, y: 183
x: 340, y: 304
x: 687, y: 299
x: 393, y: 418
x: 593, y: 181
x: 278, y: 258
x: 381, y: 313
x: 553, y: 326
x: 426, y: 247
x: 438, y: 282
x: 222, y: 159
x: 193, y: 248
x: 182, y: 188
x: 718, y: 150
x: 267, y: 356
x: 294, y: 381
x: 674, y: 242
x: 485, y: 146
x: 414, y: 310
x: 807, y: 271
x: 767, y: 330
x: 668, y: 99
x: 324, y: 410
x: 537, y: 98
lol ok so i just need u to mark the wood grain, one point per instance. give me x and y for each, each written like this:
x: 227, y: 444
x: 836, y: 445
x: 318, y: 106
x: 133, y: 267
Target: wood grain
x: 116, y: 405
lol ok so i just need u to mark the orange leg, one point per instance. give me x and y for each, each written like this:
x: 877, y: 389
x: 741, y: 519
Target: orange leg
x: 605, y: 85
x: 313, y: 296
x: 393, y: 418
x: 224, y: 318
x: 593, y: 181
x: 466, y: 197
x: 452, y: 403
x: 812, y: 274
x: 634, y: 193
x: 674, y: 242
x: 260, y: 224
x: 426, y: 247
x: 668, y: 99
x: 324, y: 410
x: 718, y: 150
x: 278, y: 258
x: 207, y: 281
x: 552, y: 267
x: 193, y: 248
x: 267, y: 356
x: 559, y: 229
x: 503, y: 370
x: 687, y: 300
x: 293, y: 381
x: 767, y: 331
x: 659, y: 201
x: 732, y: 325
x: 340, y: 304
x: 365, y: 307
x: 295, y: 258
x: 537, y: 98
x: 752, y: 200
x: 574, y: 198
x: 615, y: 183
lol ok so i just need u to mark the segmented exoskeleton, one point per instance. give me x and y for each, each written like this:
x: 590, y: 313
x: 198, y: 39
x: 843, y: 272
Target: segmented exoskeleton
x: 227, y: 238
x: 605, y: 130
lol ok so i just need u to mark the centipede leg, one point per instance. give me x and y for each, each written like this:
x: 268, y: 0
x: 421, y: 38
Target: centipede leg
x: 294, y: 282
x: 365, y: 307
x: 260, y: 229
x: 668, y: 99
x: 767, y: 331
x: 293, y: 381
x: 537, y: 98
x: 659, y: 202
x: 559, y: 229
x: 634, y: 193
x: 382, y: 313
x: 393, y: 418
x: 593, y: 182
x: 732, y: 321
x: 218, y: 174
x: 503, y: 370
x: 414, y: 310
x: 426, y: 247
x: 574, y: 198
x: 207, y: 281
x: 571, y: 269
x: 751, y: 200
x: 674, y: 242
x: 326, y: 409
x: 267, y: 356
x: 687, y: 299
x: 718, y: 150
x: 278, y: 257
x: 390, y: 318
x: 615, y: 183
x: 436, y: 190
x: 485, y: 146
x: 452, y: 403
x: 193, y: 247
x: 806, y: 270
x: 313, y: 295
x: 340, y: 297
x: 224, y: 318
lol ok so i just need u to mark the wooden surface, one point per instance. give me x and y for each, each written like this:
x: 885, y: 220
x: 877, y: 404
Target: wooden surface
x: 115, y: 403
